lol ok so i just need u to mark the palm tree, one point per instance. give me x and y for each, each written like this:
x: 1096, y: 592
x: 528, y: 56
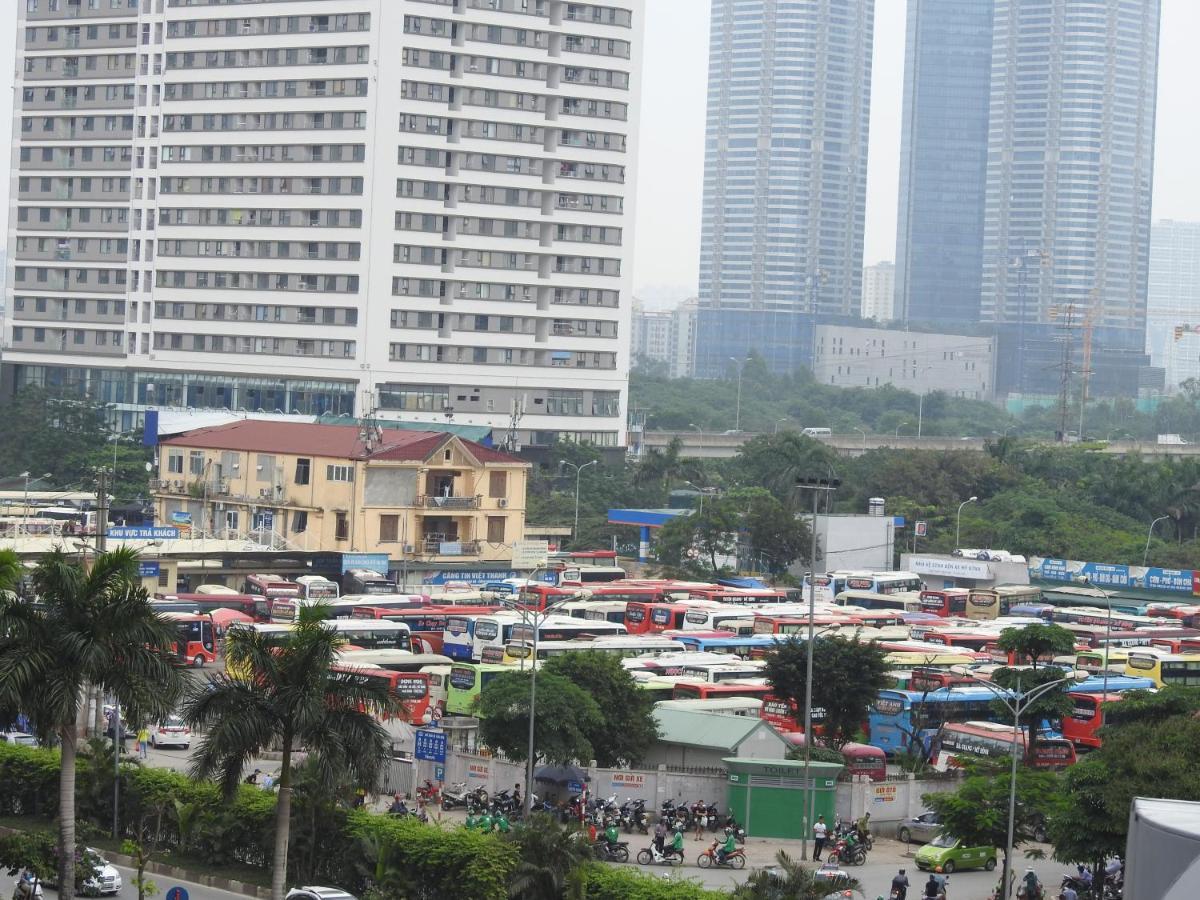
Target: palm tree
x: 281, y: 691
x: 788, y: 880
x: 550, y: 858
x: 90, y: 628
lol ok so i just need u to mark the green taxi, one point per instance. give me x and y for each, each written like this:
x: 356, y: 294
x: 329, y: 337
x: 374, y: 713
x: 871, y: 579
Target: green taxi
x: 947, y: 854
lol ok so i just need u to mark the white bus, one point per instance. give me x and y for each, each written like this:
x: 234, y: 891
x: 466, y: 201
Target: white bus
x: 750, y: 707
x: 315, y: 588
x: 830, y: 584
x: 901, y: 601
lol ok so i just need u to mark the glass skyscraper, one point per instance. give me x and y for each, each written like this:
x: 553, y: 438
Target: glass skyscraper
x: 943, y: 160
x: 1173, y: 300
x: 785, y: 168
x: 1069, y: 177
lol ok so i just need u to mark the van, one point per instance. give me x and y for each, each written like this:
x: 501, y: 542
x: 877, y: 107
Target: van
x: 816, y: 432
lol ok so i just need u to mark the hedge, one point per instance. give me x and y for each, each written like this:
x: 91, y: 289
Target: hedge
x: 612, y: 883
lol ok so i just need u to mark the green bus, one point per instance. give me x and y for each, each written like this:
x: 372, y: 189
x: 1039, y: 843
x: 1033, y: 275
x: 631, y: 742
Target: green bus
x: 465, y: 682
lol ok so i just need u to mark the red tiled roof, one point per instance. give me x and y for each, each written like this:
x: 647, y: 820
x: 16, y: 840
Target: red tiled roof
x: 335, y: 441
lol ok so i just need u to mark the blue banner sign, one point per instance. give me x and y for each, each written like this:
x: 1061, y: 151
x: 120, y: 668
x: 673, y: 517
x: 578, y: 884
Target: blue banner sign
x: 147, y: 569
x: 376, y: 562
x: 431, y: 745
x: 1112, y: 577
x: 143, y: 533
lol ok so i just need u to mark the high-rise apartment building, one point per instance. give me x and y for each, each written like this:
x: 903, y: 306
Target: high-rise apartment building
x: 417, y: 206
x: 1069, y: 175
x: 666, y: 337
x: 784, y: 176
x: 1173, y: 300
x: 879, y: 291
x: 943, y: 160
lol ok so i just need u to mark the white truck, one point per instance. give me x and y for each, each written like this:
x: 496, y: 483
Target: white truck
x: 1170, y: 439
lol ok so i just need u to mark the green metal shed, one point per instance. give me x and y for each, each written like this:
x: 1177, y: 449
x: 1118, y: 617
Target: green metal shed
x: 770, y: 799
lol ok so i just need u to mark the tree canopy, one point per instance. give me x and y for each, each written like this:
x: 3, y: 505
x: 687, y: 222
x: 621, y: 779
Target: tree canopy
x: 566, y: 716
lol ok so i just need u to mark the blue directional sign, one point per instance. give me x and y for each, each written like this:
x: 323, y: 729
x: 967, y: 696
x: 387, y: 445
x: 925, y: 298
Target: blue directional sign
x: 148, y: 568
x: 143, y: 533
x: 177, y: 893
x: 431, y: 746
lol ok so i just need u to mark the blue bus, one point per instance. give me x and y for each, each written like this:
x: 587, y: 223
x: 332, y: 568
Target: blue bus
x: 744, y: 646
x: 1116, y: 683
x: 891, y: 724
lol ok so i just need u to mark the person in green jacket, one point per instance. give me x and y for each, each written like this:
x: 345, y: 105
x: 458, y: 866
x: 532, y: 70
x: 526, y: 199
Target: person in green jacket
x: 728, y: 847
x: 470, y: 825
x: 611, y: 835
x: 677, y: 842
x: 485, y: 823
x: 502, y: 824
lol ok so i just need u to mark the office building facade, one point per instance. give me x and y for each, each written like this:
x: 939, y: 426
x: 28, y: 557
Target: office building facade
x: 1069, y: 177
x: 1173, y: 301
x: 418, y: 207
x: 785, y: 166
x: 943, y: 160
x: 879, y: 292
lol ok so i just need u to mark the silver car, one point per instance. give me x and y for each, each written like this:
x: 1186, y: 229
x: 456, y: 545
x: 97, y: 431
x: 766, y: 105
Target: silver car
x: 920, y: 830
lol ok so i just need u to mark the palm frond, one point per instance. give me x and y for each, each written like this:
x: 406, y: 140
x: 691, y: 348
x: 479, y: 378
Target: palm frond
x: 237, y: 720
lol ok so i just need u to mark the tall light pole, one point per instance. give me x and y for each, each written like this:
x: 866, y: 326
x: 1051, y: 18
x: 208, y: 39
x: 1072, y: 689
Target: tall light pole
x: 1019, y: 703
x: 901, y: 425
x: 958, y: 521
x: 1150, y: 534
x: 578, y: 471
x: 737, y: 409
x: 818, y: 486
x: 921, y: 404
x: 864, y: 438
x: 25, y: 511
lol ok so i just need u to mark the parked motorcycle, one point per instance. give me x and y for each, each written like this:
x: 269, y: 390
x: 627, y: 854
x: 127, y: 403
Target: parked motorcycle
x: 606, y: 852
x: 641, y: 818
x: 651, y: 857
x: 429, y: 792
x: 455, y: 795
x: 709, y: 858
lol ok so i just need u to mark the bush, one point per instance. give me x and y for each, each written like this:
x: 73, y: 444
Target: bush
x: 30, y: 779
x: 610, y: 883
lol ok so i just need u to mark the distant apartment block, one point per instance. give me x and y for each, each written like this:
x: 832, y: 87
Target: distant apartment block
x: 419, y: 206
x: 959, y: 365
x: 1173, y: 300
x: 879, y: 288
x: 667, y: 337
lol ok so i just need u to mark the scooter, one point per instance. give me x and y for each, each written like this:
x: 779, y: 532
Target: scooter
x: 606, y: 852
x: 651, y: 857
x: 455, y: 795
x: 709, y: 858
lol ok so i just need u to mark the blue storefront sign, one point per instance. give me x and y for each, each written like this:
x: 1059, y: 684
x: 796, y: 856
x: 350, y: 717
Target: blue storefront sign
x: 147, y: 569
x: 376, y: 562
x: 143, y: 533
x: 431, y: 745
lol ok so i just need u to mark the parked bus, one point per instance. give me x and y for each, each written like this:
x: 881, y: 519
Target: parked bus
x: 729, y: 645
x: 897, y: 718
x: 734, y: 671
x: 369, y: 635
x: 989, y: 603
x: 584, y: 576
x: 1096, y: 615
x: 347, y: 606
x: 1086, y: 718
x: 393, y: 660
x: 464, y: 684
x: 645, y: 618
x: 861, y: 759
x: 946, y: 603
x: 317, y: 588
x: 899, y: 601
x: 1094, y: 662
x: 411, y: 688
x: 963, y: 741
x: 797, y: 625
x: 1164, y: 668
x: 196, y: 644
x: 923, y: 678
x: 206, y: 602
x: 564, y: 628
x: 536, y: 595
x: 270, y: 586
x: 646, y: 646
x: 747, y: 707
x: 427, y: 624
x: 960, y: 639
x: 583, y: 557
x: 734, y: 619
x: 366, y: 581
x: 707, y: 690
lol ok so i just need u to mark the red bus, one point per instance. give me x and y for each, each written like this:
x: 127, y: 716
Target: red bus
x: 709, y: 690
x: 962, y: 640
x: 861, y: 759
x: 617, y: 591
x: 651, y: 618
x: 411, y: 687
x: 966, y: 740
x: 1187, y: 615
x: 782, y: 713
x: 798, y: 625
x: 1086, y: 717
x: 743, y: 596
x: 196, y: 644
x: 947, y: 603
x: 539, y: 596
x: 243, y: 603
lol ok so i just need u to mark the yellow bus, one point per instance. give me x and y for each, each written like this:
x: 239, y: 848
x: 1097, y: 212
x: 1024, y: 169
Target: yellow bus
x: 1164, y: 668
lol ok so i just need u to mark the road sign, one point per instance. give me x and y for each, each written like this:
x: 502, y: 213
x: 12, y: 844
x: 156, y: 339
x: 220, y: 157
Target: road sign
x: 177, y: 893
x: 148, y: 568
x: 431, y: 745
x: 143, y: 533
x: 922, y: 529
x: 439, y: 773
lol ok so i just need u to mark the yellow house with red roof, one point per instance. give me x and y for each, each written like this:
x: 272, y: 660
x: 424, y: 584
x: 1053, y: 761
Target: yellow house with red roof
x: 419, y: 495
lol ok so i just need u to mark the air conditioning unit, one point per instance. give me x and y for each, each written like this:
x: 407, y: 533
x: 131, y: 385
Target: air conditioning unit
x: 410, y: 548
x: 502, y: 503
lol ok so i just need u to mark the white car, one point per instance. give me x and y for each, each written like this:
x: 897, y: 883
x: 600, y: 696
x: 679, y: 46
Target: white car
x: 105, y: 881
x: 20, y: 738
x: 171, y: 732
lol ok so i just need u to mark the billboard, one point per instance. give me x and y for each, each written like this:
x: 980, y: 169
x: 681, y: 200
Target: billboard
x: 1113, y: 577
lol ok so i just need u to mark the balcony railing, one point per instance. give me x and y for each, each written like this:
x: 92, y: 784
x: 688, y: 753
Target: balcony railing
x: 434, y: 502
x: 449, y: 548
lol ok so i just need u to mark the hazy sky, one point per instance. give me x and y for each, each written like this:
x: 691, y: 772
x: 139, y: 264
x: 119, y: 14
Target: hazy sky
x: 671, y: 154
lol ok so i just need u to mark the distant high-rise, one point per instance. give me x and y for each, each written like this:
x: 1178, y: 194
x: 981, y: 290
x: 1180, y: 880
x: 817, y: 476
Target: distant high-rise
x: 943, y: 160
x: 784, y: 177
x: 1069, y: 177
x: 879, y: 291
x: 1173, y: 300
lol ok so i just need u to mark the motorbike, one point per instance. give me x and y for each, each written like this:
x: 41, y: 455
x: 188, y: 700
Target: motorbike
x: 606, y: 852
x: 641, y: 819
x: 428, y: 792
x: 477, y: 800
x: 849, y: 851
x: 455, y: 795
x: 651, y: 857
x: 943, y: 883
x: 27, y: 887
x: 734, y: 860
x: 713, y: 815
x: 1024, y: 893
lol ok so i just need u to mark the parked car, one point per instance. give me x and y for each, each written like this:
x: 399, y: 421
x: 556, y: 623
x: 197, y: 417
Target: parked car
x: 919, y: 830
x: 20, y: 738
x: 313, y: 892
x: 948, y: 854
x: 171, y: 732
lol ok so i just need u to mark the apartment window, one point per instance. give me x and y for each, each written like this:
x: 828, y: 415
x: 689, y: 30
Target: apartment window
x: 389, y: 529
x: 299, y: 522
x: 175, y: 462
x: 265, y: 468
x: 302, y: 470
x: 341, y: 526
x: 495, y: 529
x: 498, y: 484
x: 339, y: 473
x: 196, y: 462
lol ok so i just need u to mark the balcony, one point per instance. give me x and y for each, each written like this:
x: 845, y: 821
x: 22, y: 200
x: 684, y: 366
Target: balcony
x: 449, y: 548
x: 434, y: 502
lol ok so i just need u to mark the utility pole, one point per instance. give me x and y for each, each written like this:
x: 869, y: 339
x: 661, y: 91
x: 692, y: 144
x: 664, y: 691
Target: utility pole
x: 103, y: 485
x: 1064, y: 389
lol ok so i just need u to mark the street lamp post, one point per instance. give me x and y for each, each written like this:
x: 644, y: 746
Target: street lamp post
x: 1019, y: 704
x: 737, y: 409
x: 864, y: 438
x: 921, y: 404
x: 578, y: 471
x: 901, y: 425
x: 25, y: 510
x: 958, y: 521
x: 1150, y: 534
x: 818, y: 486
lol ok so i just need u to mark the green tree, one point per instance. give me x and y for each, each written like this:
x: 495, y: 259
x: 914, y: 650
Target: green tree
x: 773, y: 531
x: 92, y: 628
x: 627, y: 729
x: 847, y: 676
x: 789, y: 880
x: 549, y: 860
x: 1052, y: 705
x: 566, y: 715
x: 1035, y: 644
x: 977, y: 813
x: 695, y: 541
x: 287, y: 694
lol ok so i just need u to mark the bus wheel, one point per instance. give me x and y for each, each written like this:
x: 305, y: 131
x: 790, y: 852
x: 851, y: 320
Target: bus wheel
x: 198, y: 662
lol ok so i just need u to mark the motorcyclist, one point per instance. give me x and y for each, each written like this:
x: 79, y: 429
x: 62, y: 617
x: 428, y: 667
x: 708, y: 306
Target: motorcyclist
x: 1085, y: 876
x: 398, y: 807
x: 677, y: 843
x: 900, y: 885
x: 502, y: 823
x: 611, y: 835
x: 932, y: 887
x: 470, y: 823
x: 1031, y: 885
x: 660, y: 835
x: 728, y: 847
x: 1068, y: 893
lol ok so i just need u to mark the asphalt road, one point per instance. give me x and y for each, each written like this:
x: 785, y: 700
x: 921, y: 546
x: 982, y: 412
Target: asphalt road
x: 195, y: 891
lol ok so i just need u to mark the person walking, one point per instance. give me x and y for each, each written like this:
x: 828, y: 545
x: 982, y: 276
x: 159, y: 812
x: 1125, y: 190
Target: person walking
x: 820, y: 833
x: 143, y: 742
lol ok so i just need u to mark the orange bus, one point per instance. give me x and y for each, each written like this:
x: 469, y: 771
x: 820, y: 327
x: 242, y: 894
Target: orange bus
x: 962, y: 640
x: 1082, y: 725
x: 799, y: 625
x: 650, y: 618
x: 710, y: 690
x: 196, y: 644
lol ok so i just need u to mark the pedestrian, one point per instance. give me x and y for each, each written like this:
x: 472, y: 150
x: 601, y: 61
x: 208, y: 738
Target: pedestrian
x: 863, y: 827
x: 660, y: 835
x: 900, y: 886
x: 820, y: 832
x: 516, y: 797
x: 698, y: 823
x: 252, y: 778
x: 143, y: 742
